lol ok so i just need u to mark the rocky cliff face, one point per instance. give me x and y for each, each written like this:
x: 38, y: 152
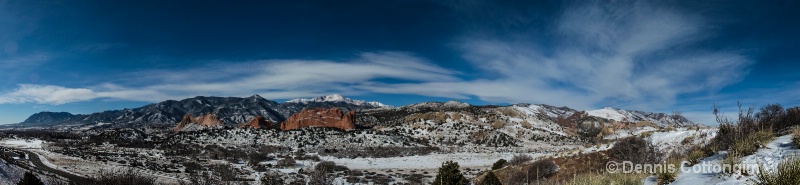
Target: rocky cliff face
x: 187, y: 119
x: 257, y: 123
x: 321, y: 117
x: 208, y: 120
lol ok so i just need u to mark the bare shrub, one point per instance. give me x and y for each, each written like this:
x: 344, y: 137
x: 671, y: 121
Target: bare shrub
x: 286, y: 162
x: 272, y: 178
x: 123, y: 177
x: 519, y: 159
x: 203, y: 178
x: 517, y: 177
x: 541, y: 169
x: 325, y: 166
x: 787, y: 172
x: 796, y: 137
x: 636, y: 150
x: 225, y: 172
x: 320, y: 174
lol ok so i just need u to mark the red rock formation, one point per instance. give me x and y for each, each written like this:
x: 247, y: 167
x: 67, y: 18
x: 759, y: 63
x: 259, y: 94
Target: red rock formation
x: 207, y: 120
x: 321, y: 117
x: 257, y: 122
x: 187, y: 119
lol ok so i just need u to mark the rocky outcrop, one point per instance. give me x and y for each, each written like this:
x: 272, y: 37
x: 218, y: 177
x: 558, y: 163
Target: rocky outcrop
x: 208, y: 120
x: 187, y: 119
x: 257, y: 123
x: 321, y: 117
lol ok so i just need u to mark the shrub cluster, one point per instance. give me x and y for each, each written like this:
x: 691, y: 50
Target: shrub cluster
x: 752, y: 129
x: 636, y: 150
x: 605, y: 179
x: 788, y: 172
x: 490, y: 179
x: 796, y: 137
x: 751, y: 143
x: 519, y: 159
x: 286, y: 162
x: 538, y: 170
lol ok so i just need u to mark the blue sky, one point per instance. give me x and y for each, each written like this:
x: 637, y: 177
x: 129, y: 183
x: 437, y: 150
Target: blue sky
x: 90, y: 56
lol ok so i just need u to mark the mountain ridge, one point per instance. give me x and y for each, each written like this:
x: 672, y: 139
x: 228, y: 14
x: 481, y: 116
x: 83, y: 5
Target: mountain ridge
x: 238, y: 110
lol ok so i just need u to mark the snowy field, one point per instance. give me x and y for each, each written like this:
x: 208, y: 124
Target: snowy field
x: 675, y: 139
x: 432, y: 161
x: 22, y: 143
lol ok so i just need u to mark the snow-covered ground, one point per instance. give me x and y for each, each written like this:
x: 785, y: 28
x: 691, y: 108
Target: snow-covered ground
x: 682, y: 138
x: 769, y: 157
x: 10, y: 174
x: 629, y: 132
x: 432, y: 161
x: 608, y: 113
x: 22, y: 143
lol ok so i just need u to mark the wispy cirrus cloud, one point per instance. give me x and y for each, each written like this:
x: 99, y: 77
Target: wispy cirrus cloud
x: 622, y: 54
x: 271, y: 78
x: 632, y: 55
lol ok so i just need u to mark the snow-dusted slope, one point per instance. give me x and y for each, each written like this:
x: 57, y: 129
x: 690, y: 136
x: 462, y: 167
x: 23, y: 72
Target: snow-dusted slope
x: 660, y: 119
x: 608, y: 113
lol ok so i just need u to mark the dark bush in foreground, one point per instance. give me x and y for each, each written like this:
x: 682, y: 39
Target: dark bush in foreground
x: 325, y: 166
x: 520, y: 159
x: 636, y: 150
x: 499, y: 164
x: 542, y: 169
x: 30, y: 179
x: 538, y: 170
x: 490, y: 179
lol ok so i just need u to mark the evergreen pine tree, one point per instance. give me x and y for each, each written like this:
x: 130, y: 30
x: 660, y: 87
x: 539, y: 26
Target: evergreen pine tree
x: 450, y: 175
x: 490, y: 179
x: 30, y: 179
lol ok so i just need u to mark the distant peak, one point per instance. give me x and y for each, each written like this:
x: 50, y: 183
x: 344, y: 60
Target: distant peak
x: 333, y: 97
x: 337, y: 98
x: 256, y: 96
x: 451, y: 103
x: 456, y: 103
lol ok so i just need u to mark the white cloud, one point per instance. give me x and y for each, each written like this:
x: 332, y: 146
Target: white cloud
x: 624, y: 54
x: 275, y: 79
x: 47, y: 94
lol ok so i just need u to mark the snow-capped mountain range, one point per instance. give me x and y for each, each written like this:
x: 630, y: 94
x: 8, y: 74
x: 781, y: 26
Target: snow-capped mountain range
x: 235, y: 110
